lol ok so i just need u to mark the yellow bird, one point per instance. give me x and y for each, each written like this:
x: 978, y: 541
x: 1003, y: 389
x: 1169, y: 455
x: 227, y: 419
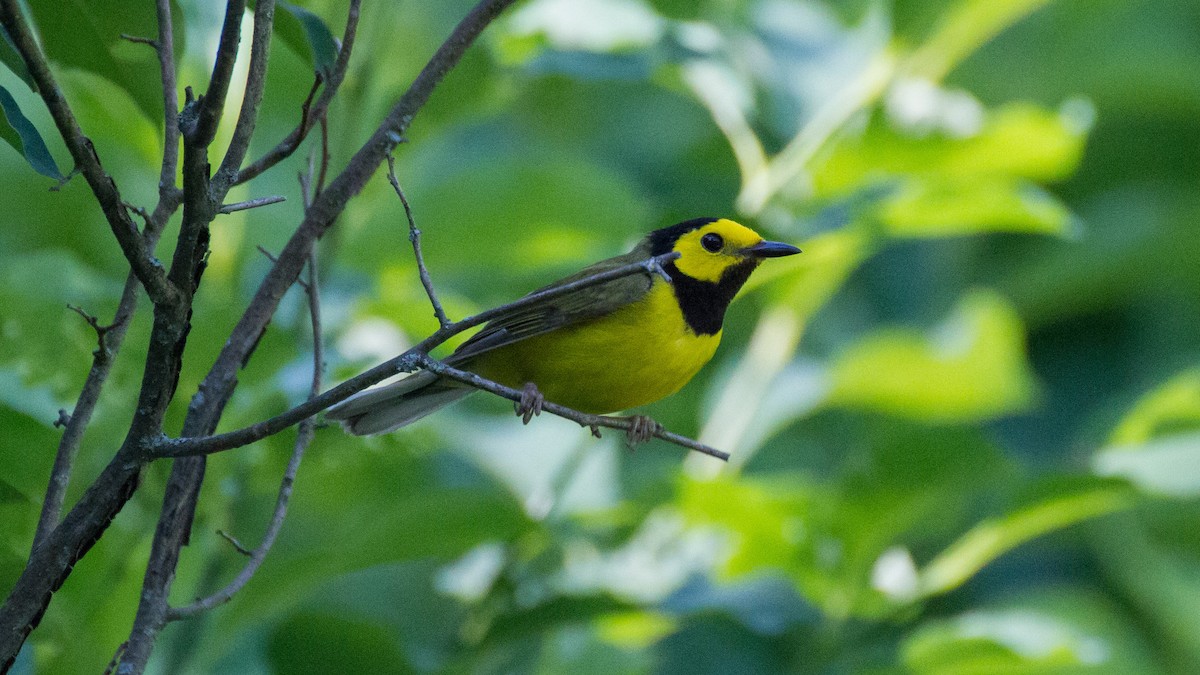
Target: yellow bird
x: 601, y: 349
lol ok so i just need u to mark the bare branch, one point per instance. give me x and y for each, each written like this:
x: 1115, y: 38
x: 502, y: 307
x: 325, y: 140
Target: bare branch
x: 304, y: 437
x: 52, y: 561
x: 583, y: 419
x: 233, y: 541
x: 149, y: 271
x: 239, y: 145
x: 101, y: 331
x: 140, y: 40
x: 251, y: 204
x: 310, y: 111
x: 89, y: 396
x: 406, y: 362
x: 201, y: 124
x: 166, y: 64
x: 414, y: 236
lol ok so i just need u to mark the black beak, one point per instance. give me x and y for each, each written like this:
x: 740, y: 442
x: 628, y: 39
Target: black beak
x: 770, y: 249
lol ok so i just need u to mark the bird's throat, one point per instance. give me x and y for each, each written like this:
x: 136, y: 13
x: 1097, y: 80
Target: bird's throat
x: 703, y: 303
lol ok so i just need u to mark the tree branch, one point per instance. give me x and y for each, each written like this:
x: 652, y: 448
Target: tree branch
x: 198, y: 126
x: 583, y: 419
x: 239, y: 145
x: 406, y: 362
x: 89, y: 396
x: 207, y: 114
x: 304, y: 436
x: 148, y: 270
x: 51, y: 562
x: 310, y: 111
x: 251, y: 204
x: 414, y: 236
x: 166, y: 62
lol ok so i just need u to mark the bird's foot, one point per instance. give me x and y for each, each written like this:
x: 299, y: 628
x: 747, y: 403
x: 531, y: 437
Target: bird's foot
x: 530, y: 404
x: 641, y: 429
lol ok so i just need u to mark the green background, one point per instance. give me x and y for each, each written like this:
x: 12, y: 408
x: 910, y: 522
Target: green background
x: 965, y: 422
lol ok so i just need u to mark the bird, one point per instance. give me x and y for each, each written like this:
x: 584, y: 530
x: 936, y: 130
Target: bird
x: 599, y: 349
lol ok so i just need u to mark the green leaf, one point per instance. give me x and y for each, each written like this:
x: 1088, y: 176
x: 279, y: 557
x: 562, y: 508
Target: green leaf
x: 87, y: 35
x: 1016, y: 141
x: 307, y: 35
x: 310, y: 642
x: 12, y: 59
x: 34, y: 402
x: 1168, y: 466
x: 1000, y: 641
x: 949, y: 205
x: 19, y: 132
x: 966, y: 27
x: 971, y: 367
x: 1174, y: 407
x: 992, y: 538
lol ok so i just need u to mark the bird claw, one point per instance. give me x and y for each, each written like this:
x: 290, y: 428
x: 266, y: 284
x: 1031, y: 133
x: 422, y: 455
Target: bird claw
x: 530, y: 404
x: 641, y: 429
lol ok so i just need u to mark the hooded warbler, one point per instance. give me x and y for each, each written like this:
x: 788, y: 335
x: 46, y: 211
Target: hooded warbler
x: 600, y: 349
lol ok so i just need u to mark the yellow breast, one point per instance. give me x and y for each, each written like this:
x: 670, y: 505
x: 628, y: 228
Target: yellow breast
x: 631, y: 357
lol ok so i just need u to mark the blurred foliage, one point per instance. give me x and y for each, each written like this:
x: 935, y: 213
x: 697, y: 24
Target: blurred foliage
x: 965, y: 422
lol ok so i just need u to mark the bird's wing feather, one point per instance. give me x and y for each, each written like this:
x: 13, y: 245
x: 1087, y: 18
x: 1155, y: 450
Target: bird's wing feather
x: 565, y: 310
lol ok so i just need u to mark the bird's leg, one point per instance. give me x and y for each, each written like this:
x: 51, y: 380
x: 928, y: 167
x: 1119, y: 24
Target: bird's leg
x: 530, y: 403
x: 641, y: 429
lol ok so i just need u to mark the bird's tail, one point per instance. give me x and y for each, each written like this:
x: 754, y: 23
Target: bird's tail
x: 390, y: 407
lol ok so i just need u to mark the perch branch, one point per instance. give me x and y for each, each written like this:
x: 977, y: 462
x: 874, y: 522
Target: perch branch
x: 406, y: 362
x: 583, y: 419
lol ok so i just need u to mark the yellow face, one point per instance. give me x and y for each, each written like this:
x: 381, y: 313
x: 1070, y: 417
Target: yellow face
x: 707, y: 251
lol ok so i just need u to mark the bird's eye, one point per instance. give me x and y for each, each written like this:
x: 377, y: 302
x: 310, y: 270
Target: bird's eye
x: 712, y: 242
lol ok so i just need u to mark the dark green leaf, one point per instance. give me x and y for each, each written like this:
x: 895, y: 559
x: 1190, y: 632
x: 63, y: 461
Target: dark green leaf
x: 20, y: 133
x: 10, y: 58
x: 87, y: 36
x: 307, y: 34
x: 325, y: 643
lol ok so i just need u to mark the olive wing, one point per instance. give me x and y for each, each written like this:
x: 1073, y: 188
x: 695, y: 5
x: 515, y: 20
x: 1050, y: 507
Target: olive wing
x: 565, y: 310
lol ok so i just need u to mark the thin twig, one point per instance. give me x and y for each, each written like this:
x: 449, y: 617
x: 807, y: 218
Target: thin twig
x: 112, y: 664
x: 251, y: 204
x: 324, y: 122
x: 406, y: 362
x: 101, y: 331
x: 166, y: 65
x: 233, y: 541
x: 148, y: 270
x: 140, y: 40
x: 583, y: 419
x: 239, y: 145
x: 304, y: 436
x: 310, y: 111
x: 414, y: 236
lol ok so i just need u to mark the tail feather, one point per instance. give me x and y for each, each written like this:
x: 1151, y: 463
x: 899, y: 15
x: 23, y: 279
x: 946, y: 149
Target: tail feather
x: 390, y: 407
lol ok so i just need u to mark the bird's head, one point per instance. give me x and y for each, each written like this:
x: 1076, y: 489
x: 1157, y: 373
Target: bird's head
x: 715, y: 249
